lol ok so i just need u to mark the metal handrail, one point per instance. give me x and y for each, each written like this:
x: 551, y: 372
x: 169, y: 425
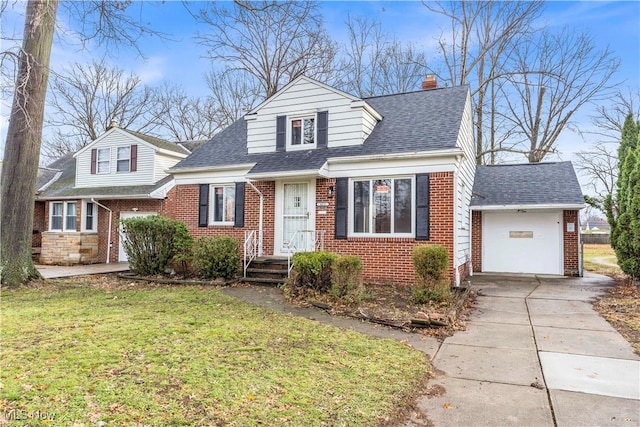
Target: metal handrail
x: 250, y: 248
x: 292, y: 248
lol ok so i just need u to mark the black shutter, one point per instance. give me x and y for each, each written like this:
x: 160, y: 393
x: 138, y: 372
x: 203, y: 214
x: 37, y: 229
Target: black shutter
x: 342, y: 202
x: 422, y: 207
x: 203, y: 206
x: 94, y: 160
x: 323, y: 126
x: 134, y: 158
x: 239, y: 221
x: 281, y: 133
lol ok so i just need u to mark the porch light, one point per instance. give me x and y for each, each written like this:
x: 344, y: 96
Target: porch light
x: 330, y: 191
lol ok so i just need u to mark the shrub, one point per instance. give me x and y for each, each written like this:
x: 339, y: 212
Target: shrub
x: 150, y: 243
x: 431, y: 263
x: 183, y: 246
x: 311, y: 270
x: 346, y: 278
x: 215, y: 257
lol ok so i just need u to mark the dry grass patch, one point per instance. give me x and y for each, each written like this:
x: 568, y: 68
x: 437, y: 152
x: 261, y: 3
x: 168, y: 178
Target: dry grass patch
x: 92, y: 352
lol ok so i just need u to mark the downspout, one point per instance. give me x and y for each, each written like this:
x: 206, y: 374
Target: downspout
x: 109, y: 232
x: 260, y: 216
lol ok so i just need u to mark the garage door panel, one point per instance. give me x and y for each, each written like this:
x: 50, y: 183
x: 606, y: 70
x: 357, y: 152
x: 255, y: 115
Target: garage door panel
x: 522, y: 242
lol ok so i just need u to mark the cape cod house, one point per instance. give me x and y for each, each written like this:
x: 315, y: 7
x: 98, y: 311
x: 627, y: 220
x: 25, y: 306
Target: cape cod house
x: 313, y: 167
x: 81, y: 198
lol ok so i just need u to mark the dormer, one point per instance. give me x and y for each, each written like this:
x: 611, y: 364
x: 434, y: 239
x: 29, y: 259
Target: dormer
x: 308, y: 115
x: 121, y: 157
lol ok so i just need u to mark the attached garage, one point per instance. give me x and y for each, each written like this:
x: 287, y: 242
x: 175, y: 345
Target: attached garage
x: 525, y: 219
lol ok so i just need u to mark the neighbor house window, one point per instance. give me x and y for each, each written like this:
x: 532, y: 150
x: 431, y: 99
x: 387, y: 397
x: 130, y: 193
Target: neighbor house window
x: 63, y: 216
x: 303, y: 131
x: 90, y: 216
x: 223, y: 201
x: 383, y: 206
x: 104, y: 160
x: 123, y: 162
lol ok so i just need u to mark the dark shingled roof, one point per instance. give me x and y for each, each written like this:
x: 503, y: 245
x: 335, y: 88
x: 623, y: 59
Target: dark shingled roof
x: 160, y: 143
x: 414, y: 121
x: 526, y: 184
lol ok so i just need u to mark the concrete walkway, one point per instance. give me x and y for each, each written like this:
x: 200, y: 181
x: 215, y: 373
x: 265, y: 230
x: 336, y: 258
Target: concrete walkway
x: 56, y: 271
x: 535, y: 353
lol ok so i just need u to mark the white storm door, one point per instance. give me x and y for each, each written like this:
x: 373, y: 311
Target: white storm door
x: 122, y: 255
x: 296, y: 232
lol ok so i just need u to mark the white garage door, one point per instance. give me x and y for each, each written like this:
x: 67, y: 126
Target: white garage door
x: 122, y: 255
x: 523, y: 242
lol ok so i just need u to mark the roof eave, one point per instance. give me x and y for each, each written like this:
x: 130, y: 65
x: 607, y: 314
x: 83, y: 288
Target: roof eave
x: 449, y: 152
x: 284, y: 174
x: 238, y: 166
x: 564, y: 206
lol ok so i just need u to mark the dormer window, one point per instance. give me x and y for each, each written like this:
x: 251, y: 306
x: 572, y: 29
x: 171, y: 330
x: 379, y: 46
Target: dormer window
x: 303, y: 131
x: 124, y: 159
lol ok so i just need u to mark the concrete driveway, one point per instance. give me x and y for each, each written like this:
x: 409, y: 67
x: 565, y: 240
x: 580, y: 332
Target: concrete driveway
x: 535, y: 353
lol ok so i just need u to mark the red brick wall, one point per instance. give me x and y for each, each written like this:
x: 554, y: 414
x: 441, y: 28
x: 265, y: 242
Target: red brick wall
x: 388, y: 260
x: 571, y: 242
x: 476, y: 240
x: 39, y: 224
x: 187, y: 211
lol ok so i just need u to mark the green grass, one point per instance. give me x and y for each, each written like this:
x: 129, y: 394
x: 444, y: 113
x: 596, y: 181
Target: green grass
x: 594, y: 254
x: 190, y: 356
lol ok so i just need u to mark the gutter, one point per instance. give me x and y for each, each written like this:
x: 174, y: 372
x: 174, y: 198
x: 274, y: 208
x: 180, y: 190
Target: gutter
x: 110, y: 222
x: 391, y: 156
x: 527, y: 207
x: 260, y: 216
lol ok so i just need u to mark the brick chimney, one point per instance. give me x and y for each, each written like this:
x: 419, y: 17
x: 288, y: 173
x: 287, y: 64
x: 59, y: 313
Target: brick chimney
x: 112, y: 125
x: 429, y: 82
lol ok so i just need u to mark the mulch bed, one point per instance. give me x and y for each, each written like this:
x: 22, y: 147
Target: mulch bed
x: 392, y: 305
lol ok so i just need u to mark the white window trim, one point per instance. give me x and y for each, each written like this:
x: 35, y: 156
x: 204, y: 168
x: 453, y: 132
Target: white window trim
x: 291, y: 147
x: 118, y: 159
x: 105, y: 161
x: 84, y: 217
x: 64, y: 216
x: 351, y: 212
x: 212, y: 195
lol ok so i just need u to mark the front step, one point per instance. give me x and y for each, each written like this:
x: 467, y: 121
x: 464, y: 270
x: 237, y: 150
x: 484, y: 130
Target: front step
x: 267, y: 271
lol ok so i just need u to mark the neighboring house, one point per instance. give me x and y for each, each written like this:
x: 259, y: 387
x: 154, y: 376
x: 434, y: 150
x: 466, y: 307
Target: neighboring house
x: 525, y: 219
x: 598, y: 225
x: 313, y: 167
x: 119, y: 175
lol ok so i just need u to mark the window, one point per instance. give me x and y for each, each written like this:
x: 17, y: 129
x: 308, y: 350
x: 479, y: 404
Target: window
x: 223, y: 201
x: 383, y: 206
x: 63, y: 213
x: 123, y: 161
x: 90, y: 216
x: 104, y: 160
x: 303, y: 131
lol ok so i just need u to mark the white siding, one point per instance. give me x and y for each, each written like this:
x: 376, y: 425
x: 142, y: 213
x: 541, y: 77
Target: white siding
x: 162, y: 163
x: 143, y: 175
x: 464, y: 184
x: 347, y: 125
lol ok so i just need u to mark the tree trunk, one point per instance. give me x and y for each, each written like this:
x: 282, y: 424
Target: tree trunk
x: 22, y: 149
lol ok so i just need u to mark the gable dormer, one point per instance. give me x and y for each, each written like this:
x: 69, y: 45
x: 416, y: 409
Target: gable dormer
x: 121, y: 157
x: 307, y: 115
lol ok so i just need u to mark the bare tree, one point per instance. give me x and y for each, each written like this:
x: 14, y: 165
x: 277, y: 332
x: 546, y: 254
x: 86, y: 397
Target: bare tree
x: 609, y: 118
x: 272, y: 42
x: 22, y: 147
x: 85, y: 98
x: 181, y: 117
x: 232, y: 95
x: 568, y: 72
x: 20, y: 166
x: 600, y: 164
x: 481, y: 36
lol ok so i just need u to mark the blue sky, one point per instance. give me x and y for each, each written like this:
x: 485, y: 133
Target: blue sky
x: 180, y: 59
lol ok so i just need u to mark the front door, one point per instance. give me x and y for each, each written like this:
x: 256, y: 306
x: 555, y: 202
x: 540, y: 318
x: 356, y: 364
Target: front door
x: 296, y: 231
x: 122, y: 255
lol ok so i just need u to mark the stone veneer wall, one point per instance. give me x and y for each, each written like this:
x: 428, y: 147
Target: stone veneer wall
x: 59, y: 248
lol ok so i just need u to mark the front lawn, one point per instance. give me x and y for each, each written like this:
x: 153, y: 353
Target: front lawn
x: 95, y: 352
x: 601, y: 259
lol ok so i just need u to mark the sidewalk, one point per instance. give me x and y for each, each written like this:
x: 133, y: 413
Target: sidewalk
x: 535, y: 353
x: 56, y: 271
